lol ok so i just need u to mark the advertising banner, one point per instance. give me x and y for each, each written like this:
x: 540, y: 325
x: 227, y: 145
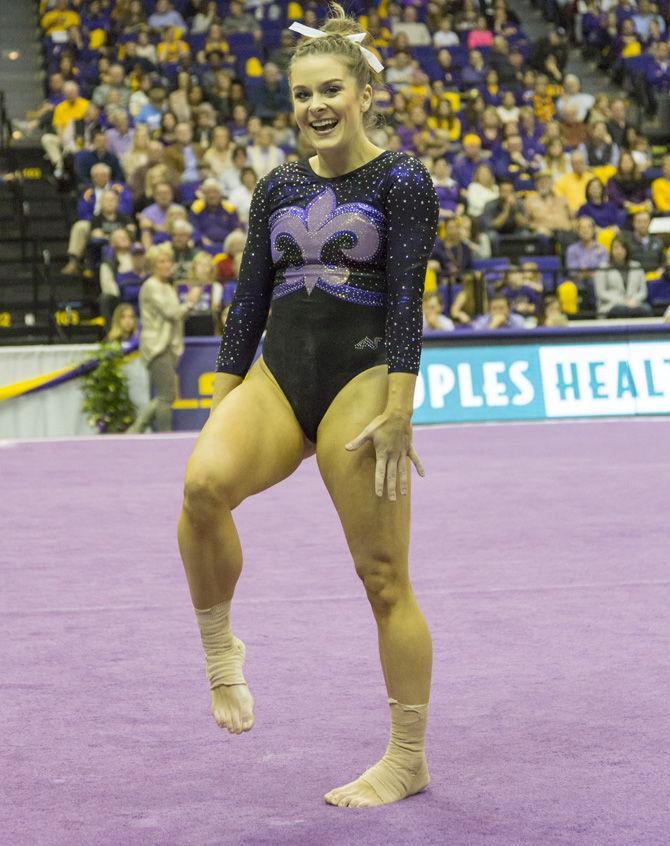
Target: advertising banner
x: 469, y: 383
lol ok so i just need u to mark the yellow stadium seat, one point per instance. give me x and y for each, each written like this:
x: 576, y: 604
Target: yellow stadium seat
x: 631, y: 50
x: 568, y: 297
x: 97, y: 39
x: 430, y: 282
x: 606, y: 236
x: 294, y: 11
x: 253, y: 67
x: 604, y: 172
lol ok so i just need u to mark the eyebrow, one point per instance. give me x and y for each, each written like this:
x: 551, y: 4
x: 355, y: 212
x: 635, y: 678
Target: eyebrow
x: 327, y: 82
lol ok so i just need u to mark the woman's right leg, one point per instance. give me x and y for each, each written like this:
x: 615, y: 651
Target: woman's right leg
x: 251, y: 441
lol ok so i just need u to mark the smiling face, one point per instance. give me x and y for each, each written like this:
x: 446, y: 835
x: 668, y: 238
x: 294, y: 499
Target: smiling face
x: 327, y: 102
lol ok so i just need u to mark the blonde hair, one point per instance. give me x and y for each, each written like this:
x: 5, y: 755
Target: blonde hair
x: 198, y: 258
x: 115, y: 333
x: 337, y: 26
x: 159, y: 251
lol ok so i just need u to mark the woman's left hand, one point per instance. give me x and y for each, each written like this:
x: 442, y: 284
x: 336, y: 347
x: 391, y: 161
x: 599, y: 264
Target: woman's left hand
x: 391, y: 437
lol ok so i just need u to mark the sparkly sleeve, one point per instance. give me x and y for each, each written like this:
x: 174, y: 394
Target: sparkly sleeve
x: 251, y: 302
x: 412, y: 210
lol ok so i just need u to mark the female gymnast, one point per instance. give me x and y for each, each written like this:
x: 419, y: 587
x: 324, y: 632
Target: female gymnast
x: 338, y: 244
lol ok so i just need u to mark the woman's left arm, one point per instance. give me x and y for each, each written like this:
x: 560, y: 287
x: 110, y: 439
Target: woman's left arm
x: 412, y: 211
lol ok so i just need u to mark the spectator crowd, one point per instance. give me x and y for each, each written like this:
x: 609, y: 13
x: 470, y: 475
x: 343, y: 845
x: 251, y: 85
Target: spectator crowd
x: 163, y: 115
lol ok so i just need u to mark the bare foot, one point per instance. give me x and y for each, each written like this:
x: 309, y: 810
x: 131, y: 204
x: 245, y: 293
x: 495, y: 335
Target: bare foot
x: 233, y: 707
x: 397, y: 784
x: 233, y: 704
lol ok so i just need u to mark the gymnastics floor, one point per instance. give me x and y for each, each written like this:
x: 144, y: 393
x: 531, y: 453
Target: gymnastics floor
x: 539, y: 554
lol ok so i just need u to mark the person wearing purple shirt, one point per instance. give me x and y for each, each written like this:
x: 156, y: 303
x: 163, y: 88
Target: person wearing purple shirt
x: 586, y: 253
x: 474, y: 73
x: 467, y: 163
x: 166, y: 16
x: 212, y: 217
x: 499, y: 316
x: 153, y: 218
x: 446, y: 188
x: 599, y: 208
x: 120, y: 135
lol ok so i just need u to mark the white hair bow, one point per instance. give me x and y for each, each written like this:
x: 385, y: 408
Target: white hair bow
x: 310, y: 32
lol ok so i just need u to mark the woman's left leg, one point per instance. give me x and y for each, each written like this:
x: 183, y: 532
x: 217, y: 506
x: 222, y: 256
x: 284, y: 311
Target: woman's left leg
x: 377, y: 532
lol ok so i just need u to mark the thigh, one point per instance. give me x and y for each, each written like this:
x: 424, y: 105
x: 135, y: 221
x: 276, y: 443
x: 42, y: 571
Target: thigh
x: 376, y: 529
x: 250, y: 442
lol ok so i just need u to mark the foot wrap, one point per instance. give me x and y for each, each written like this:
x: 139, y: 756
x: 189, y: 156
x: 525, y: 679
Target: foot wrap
x: 224, y: 653
x: 403, y: 769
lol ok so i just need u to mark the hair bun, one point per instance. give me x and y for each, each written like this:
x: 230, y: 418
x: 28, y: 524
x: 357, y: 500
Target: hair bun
x: 339, y: 23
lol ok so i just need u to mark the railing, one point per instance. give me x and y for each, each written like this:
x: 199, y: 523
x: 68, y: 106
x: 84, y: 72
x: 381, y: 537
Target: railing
x: 5, y: 124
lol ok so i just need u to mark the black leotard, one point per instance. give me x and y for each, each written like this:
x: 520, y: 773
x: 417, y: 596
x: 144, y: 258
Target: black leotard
x: 342, y: 261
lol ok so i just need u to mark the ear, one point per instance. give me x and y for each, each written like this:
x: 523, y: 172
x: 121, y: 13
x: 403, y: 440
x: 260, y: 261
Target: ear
x: 366, y: 98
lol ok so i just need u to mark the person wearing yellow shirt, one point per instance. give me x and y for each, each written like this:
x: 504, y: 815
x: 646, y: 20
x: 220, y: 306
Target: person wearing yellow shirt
x: 59, y: 19
x: 660, y: 189
x: 572, y: 185
x: 444, y: 122
x: 73, y: 108
x: 172, y: 48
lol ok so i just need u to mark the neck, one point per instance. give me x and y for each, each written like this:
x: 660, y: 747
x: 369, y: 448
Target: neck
x: 341, y: 160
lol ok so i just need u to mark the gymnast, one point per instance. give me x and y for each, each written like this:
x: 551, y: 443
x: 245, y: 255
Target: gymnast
x: 338, y: 245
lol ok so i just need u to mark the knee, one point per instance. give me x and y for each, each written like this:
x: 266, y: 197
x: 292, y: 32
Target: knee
x: 206, y: 496
x: 384, y: 585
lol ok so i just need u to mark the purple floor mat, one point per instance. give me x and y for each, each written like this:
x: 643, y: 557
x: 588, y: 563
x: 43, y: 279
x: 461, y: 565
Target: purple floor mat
x: 539, y: 555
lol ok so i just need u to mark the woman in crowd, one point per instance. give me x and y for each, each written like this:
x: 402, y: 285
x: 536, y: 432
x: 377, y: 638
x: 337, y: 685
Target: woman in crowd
x: 446, y: 187
x: 218, y: 157
x: 138, y: 154
x: 621, y: 288
x: 178, y: 99
x: 464, y: 307
x: 556, y: 161
x: 123, y: 325
x: 481, y: 190
x: 162, y: 338
x: 599, y: 207
x: 121, y: 273
x: 628, y: 189
x: 166, y: 132
x: 444, y: 123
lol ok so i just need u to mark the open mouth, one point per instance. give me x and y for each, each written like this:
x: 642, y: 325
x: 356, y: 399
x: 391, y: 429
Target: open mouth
x: 323, y: 127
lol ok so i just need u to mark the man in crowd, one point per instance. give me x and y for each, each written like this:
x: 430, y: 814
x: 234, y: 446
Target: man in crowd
x: 90, y: 204
x: 153, y: 218
x: 185, y: 157
x: 572, y: 185
x: 548, y: 214
x: 213, y: 217
x: 116, y: 85
x: 72, y: 108
x: 644, y: 248
x: 272, y: 96
x: 98, y: 153
x: 505, y: 216
x: 499, y: 315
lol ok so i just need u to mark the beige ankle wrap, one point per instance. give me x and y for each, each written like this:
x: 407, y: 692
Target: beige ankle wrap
x: 224, y: 653
x: 403, y: 769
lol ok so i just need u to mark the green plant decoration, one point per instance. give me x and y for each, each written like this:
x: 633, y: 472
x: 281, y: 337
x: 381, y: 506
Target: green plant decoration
x: 106, y: 399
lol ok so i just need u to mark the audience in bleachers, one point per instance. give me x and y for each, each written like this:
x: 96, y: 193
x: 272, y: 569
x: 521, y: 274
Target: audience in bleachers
x: 178, y: 107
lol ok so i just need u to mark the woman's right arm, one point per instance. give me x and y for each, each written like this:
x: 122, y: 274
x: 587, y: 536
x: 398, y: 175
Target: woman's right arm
x: 251, y: 303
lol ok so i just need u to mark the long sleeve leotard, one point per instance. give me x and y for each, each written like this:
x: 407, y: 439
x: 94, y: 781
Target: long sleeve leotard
x: 342, y: 262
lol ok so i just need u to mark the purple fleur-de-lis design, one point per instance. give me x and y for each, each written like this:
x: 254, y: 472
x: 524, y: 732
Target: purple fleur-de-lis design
x: 311, y: 228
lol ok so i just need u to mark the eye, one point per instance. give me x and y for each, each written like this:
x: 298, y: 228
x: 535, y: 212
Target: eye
x: 333, y: 89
